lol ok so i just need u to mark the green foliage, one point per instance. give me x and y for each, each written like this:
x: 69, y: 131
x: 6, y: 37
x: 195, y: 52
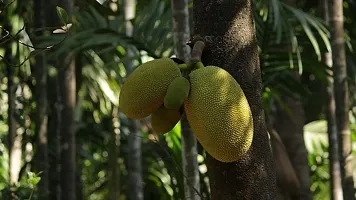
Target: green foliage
x: 24, y: 190
x: 288, y: 39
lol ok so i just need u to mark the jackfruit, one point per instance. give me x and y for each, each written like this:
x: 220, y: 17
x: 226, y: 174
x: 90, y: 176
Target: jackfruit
x: 144, y: 90
x: 177, y: 92
x: 219, y: 114
x: 163, y: 119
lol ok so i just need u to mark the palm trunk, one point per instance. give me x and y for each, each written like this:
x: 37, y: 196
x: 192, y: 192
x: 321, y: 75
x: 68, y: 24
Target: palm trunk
x: 229, y: 28
x: 181, y: 32
x: 41, y: 106
x: 334, y: 166
x: 67, y: 129
x: 336, y: 21
x: 135, y: 186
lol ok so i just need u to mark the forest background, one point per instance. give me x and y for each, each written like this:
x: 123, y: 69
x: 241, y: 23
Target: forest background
x: 62, y: 135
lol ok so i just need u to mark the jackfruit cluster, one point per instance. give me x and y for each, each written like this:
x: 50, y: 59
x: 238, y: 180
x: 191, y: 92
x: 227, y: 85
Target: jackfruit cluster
x: 151, y: 86
x: 215, y: 105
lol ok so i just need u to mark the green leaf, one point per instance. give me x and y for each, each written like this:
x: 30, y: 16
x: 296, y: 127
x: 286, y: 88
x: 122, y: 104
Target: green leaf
x: 62, y: 15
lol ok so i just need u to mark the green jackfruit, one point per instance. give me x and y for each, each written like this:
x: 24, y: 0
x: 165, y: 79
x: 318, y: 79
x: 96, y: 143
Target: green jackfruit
x: 177, y: 92
x: 219, y: 114
x: 144, y: 90
x: 163, y: 120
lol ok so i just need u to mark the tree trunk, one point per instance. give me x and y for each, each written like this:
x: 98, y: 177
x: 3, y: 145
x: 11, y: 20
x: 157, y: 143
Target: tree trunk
x: 181, y: 32
x: 290, y: 129
x: 134, y: 162
x: 229, y: 28
x: 114, y: 144
x: 68, y: 144
x: 341, y: 95
x: 334, y: 159
x: 68, y: 96
x: 41, y: 106
x: 14, y: 139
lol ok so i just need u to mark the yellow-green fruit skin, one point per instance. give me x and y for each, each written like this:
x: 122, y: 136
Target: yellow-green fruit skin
x: 163, y: 119
x: 177, y: 92
x: 219, y: 114
x: 143, y: 91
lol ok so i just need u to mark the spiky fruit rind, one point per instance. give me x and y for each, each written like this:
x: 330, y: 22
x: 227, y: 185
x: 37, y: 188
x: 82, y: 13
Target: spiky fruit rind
x: 163, y: 119
x: 143, y: 91
x: 219, y: 114
x: 177, y: 92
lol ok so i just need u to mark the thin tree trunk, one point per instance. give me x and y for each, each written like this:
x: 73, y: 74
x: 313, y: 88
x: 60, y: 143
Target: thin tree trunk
x: 114, y: 181
x: 41, y: 106
x: 336, y: 21
x: 229, y: 28
x: 14, y: 139
x: 181, y: 31
x: 334, y: 166
x: 67, y: 92
x: 54, y: 122
x: 68, y: 144
x: 134, y: 162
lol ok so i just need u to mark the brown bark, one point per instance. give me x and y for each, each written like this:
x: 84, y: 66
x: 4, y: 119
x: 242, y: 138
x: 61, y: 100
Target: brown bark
x: 67, y: 92
x: 181, y: 34
x: 41, y: 106
x: 68, y: 143
x: 334, y: 159
x: 229, y: 29
x: 336, y: 21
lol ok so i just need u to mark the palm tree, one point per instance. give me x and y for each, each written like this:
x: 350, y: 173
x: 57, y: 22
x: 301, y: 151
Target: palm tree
x: 181, y: 32
x: 341, y: 95
x: 334, y: 166
x: 235, y: 50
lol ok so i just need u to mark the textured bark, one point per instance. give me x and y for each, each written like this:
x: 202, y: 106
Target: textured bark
x: 134, y: 162
x: 229, y: 27
x: 336, y: 22
x: 181, y: 34
x: 334, y: 158
x: 41, y: 106
x: 67, y: 129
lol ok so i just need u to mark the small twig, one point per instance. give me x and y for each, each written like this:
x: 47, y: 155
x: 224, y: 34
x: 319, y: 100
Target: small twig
x: 7, y: 5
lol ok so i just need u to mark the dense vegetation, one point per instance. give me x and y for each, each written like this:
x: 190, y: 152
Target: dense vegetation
x: 38, y: 102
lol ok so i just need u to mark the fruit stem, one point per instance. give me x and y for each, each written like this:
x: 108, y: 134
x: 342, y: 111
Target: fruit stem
x: 197, y: 51
x: 183, y: 67
x: 198, y: 65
